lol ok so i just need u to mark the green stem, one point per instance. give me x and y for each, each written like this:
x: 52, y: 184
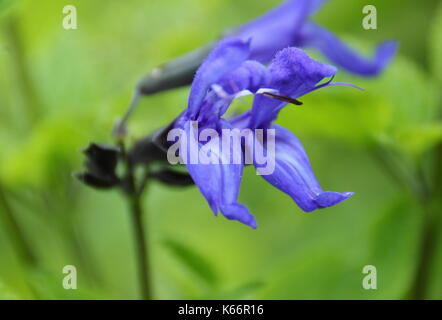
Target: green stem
x: 431, y: 230
x: 141, y: 247
x: 136, y: 211
x: 427, y: 253
x: 430, y: 234
x: 120, y: 130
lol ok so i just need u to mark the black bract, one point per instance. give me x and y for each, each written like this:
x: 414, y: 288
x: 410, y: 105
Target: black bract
x: 101, y: 164
x: 102, y: 161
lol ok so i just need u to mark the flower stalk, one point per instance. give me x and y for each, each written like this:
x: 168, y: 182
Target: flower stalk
x: 134, y: 196
x: 141, y: 246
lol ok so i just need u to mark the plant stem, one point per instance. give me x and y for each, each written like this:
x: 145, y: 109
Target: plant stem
x: 431, y: 230
x: 120, y: 130
x: 136, y: 211
x: 430, y: 233
x: 141, y: 247
x: 427, y: 253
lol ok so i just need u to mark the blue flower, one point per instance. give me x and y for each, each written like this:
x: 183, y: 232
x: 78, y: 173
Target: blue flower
x: 288, y: 25
x: 228, y: 73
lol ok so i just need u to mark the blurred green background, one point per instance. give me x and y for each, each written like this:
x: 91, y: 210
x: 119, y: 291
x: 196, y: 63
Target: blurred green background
x: 61, y: 89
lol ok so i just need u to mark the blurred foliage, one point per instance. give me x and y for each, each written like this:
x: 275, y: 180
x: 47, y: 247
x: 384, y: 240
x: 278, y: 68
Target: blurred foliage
x: 194, y: 261
x: 435, y: 42
x: 80, y: 81
x: 400, y: 106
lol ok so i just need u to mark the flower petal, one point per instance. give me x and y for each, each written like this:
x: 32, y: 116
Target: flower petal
x: 251, y: 76
x: 293, y: 74
x: 241, y: 121
x: 340, y: 54
x: 293, y: 174
x: 278, y: 28
x: 228, y: 55
x: 239, y: 213
x: 219, y: 183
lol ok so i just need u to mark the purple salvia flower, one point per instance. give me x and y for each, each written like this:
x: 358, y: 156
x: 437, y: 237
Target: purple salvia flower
x: 294, y: 74
x: 227, y: 73
x: 219, y: 183
x: 288, y: 25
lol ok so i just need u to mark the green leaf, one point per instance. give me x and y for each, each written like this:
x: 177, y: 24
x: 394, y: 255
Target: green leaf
x: 194, y: 261
x: 436, y: 45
